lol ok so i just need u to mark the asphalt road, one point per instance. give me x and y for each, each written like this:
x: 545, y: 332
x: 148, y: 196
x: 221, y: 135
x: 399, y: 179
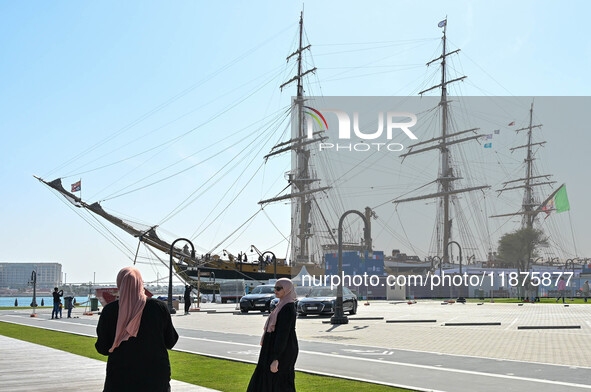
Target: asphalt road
x: 422, y: 371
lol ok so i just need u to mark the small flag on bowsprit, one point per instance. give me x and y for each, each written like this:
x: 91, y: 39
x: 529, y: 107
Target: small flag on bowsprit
x: 512, y: 123
x: 488, y: 145
x: 77, y: 186
x: 442, y: 23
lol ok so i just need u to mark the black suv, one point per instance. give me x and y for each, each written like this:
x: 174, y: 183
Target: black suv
x: 322, y: 300
x: 259, y: 299
x: 301, y: 292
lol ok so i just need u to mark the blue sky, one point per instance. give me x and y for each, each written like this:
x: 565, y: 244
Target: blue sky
x: 75, y: 73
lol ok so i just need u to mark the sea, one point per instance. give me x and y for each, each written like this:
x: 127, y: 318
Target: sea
x: 26, y: 301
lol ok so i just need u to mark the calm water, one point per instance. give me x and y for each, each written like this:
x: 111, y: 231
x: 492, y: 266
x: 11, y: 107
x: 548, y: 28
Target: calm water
x: 26, y: 301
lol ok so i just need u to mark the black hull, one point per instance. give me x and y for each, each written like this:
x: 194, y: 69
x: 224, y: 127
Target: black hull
x: 207, y: 273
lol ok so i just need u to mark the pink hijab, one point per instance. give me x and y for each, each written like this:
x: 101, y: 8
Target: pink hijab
x: 132, y: 300
x: 289, y: 297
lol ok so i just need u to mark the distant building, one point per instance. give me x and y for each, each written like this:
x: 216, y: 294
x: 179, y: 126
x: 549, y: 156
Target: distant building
x: 18, y: 275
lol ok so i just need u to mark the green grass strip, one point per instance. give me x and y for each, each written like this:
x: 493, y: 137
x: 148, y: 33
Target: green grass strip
x: 223, y: 375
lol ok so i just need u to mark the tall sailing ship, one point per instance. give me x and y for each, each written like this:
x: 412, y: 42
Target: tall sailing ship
x: 188, y: 266
x: 312, y: 231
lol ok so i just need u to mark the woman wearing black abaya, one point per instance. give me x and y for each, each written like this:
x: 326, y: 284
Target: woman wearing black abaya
x: 135, y: 332
x: 275, y: 371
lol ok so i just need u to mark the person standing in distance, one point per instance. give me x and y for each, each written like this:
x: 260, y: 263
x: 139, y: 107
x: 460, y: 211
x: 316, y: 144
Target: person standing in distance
x: 69, y: 305
x: 135, y: 332
x: 187, y: 298
x: 275, y: 369
x: 561, y: 289
x: 56, y: 301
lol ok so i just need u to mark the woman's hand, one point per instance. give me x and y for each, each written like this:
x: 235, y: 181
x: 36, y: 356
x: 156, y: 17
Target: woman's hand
x: 275, y: 366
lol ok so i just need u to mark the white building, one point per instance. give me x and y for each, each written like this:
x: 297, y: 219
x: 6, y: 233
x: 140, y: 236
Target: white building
x: 18, y: 275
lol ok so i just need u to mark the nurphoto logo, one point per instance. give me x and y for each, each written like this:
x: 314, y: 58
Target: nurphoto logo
x: 394, y: 123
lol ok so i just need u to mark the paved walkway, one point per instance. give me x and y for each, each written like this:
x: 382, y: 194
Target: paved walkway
x: 29, y: 367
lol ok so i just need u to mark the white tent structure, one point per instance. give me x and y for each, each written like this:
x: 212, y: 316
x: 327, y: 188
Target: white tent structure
x: 298, y: 279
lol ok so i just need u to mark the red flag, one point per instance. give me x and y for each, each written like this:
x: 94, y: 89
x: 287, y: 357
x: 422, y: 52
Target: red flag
x: 512, y: 123
x: 548, y: 207
x: 77, y: 186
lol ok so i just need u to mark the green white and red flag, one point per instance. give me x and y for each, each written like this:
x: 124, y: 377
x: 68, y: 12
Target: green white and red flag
x: 558, y: 203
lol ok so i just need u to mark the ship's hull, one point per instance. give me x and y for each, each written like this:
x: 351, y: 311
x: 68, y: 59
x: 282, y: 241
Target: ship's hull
x: 222, y: 273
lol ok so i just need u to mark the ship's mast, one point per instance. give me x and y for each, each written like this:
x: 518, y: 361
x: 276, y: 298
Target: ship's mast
x: 303, y: 157
x: 446, y: 173
x: 528, y: 199
x: 529, y: 208
x: 447, y: 176
x: 300, y: 179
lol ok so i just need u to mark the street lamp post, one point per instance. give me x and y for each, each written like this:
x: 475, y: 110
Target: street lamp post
x: 274, y: 262
x: 440, y: 269
x: 213, y: 273
x: 460, y: 298
x: 34, y: 283
x: 170, y: 308
x: 339, y: 316
x: 572, y: 262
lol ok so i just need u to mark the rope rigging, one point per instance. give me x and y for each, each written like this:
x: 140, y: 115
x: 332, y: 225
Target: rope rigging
x: 471, y: 223
x: 173, y: 99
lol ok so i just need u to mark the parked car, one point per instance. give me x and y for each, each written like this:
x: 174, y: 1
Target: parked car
x: 301, y: 292
x: 322, y: 300
x: 259, y: 299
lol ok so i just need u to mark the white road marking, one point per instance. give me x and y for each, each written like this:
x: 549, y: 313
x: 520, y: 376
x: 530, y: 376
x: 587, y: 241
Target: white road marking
x: 49, y: 320
x: 471, y: 372
x: 248, y: 352
x: 369, y: 352
x: 512, y: 324
x: 310, y: 371
x: 55, y: 329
